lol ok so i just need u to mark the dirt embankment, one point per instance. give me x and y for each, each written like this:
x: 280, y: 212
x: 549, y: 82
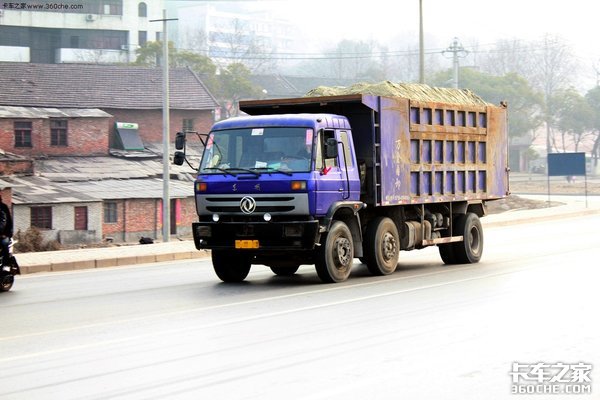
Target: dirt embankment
x: 539, y: 186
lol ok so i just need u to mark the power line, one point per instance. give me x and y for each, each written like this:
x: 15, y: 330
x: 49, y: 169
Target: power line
x: 334, y: 55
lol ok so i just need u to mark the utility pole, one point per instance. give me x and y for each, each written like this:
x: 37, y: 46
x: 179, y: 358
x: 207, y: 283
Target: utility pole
x: 457, y: 51
x: 166, y: 200
x: 421, y: 45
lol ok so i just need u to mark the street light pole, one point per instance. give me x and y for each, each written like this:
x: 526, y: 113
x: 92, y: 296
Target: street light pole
x: 421, y: 45
x: 166, y: 200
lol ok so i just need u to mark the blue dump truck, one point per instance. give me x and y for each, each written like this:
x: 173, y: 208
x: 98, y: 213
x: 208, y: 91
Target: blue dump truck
x: 326, y: 179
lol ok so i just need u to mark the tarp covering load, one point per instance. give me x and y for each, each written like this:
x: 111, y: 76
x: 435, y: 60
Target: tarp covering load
x: 412, y: 91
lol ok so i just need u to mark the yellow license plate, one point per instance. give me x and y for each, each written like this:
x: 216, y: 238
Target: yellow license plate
x: 246, y: 244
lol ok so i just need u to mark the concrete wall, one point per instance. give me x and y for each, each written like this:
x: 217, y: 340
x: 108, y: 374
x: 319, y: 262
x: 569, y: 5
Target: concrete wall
x: 63, y: 219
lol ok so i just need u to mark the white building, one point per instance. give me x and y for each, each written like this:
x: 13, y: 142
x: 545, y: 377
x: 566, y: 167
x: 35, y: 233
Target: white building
x: 95, y: 31
x: 232, y: 32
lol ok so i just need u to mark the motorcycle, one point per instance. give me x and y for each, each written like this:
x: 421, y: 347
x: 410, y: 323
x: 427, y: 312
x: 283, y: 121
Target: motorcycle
x: 10, y: 268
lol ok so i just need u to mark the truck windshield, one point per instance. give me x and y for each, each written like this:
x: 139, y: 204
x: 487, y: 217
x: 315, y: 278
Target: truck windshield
x: 258, y: 150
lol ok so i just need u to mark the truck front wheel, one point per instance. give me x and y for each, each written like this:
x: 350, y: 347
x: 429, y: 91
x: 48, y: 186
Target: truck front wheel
x: 468, y: 251
x: 335, y: 255
x: 230, y: 266
x: 382, y: 246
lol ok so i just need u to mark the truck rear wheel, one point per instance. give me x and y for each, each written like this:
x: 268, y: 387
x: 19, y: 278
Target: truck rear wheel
x: 447, y: 253
x: 230, y: 266
x: 382, y: 246
x: 335, y: 255
x: 468, y: 251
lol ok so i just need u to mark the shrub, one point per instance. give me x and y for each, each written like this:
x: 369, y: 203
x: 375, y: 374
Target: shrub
x: 33, y: 240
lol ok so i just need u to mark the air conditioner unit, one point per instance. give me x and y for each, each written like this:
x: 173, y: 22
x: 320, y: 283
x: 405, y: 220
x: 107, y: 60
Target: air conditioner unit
x: 90, y: 17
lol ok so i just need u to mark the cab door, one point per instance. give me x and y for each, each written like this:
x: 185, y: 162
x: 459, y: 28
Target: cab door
x: 331, y: 185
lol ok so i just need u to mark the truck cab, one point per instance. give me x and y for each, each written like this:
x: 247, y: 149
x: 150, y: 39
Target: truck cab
x: 266, y: 185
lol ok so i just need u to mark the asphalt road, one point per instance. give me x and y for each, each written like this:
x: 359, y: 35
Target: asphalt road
x: 172, y: 330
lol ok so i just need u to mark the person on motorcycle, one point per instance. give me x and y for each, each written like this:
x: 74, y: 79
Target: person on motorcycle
x: 6, y: 228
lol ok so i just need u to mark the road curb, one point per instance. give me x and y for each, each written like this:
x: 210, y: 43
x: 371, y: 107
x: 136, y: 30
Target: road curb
x: 111, y: 262
x: 539, y: 218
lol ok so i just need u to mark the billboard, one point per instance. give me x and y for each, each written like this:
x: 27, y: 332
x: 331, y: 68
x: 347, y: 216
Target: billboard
x: 566, y: 164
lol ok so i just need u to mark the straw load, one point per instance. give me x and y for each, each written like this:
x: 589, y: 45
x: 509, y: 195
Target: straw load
x: 412, y: 91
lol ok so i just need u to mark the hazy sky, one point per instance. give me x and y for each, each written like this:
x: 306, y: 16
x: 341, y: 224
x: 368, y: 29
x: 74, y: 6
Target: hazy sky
x: 576, y: 20
x: 472, y: 21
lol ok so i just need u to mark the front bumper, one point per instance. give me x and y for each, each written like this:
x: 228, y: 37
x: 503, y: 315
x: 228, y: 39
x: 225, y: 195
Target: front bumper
x: 280, y: 235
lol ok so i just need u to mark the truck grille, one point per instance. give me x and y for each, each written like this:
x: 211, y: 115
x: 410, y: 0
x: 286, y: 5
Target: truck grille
x: 273, y: 204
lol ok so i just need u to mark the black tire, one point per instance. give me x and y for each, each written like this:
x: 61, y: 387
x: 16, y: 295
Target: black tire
x: 336, y: 254
x: 382, y: 246
x: 230, y: 266
x: 284, y: 271
x: 6, y: 282
x: 468, y: 251
x: 447, y: 253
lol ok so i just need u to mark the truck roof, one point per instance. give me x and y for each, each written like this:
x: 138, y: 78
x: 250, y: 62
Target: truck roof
x: 300, y: 120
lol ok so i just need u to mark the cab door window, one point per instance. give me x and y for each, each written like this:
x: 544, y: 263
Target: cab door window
x: 321, y: 140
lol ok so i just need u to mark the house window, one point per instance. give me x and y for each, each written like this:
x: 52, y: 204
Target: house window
x: 81, y: 218
x: 110, y: 212
x: 23, y: 134
x: 41, y: 217
x: 188, y: 125
x: 58, y: 132
x: 142, y: 10
x: 113, y: 7
x: 142, y: 37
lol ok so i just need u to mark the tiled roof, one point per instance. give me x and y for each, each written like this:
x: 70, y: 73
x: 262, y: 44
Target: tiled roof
x: 44, y: 113
x: 99, y: 86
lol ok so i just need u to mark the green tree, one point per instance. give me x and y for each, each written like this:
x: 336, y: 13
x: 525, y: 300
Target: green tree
x: 236, y: 85
x: 151, y: 52
x: 593, y: 99
x: 574, y: 116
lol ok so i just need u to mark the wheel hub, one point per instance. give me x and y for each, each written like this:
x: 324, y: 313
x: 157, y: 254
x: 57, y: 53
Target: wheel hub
x: 388, y: 246
x: 342, y: 252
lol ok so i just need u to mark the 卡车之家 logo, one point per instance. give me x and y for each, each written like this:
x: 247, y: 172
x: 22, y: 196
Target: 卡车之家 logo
x: 551, y: 378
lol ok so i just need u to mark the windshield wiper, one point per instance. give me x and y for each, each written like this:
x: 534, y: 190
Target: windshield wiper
x: 225, y: 171
x: 271, y: 169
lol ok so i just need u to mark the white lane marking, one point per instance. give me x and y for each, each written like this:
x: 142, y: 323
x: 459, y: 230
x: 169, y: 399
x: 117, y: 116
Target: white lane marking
x: 234, y: 304
x: 252, y: 317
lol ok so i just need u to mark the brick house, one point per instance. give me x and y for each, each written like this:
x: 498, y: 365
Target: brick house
x: 128, y: 93
x: 35, y: 132
x: 81, y: 192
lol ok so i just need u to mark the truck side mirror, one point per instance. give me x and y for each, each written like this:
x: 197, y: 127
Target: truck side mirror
x: 180, y: 141
x: 178, y: 158
x: 331, y: 148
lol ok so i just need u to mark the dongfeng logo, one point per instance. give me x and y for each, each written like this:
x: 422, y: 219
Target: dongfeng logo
x: 247, y: 205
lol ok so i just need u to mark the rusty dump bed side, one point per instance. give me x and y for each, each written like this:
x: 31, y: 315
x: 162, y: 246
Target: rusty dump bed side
x: 416, y: 152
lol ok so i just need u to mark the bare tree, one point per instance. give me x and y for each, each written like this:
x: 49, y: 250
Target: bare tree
x: 552, y: 67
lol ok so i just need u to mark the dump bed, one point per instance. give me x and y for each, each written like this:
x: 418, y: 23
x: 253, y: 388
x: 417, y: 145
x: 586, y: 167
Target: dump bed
x: 416, y: 151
